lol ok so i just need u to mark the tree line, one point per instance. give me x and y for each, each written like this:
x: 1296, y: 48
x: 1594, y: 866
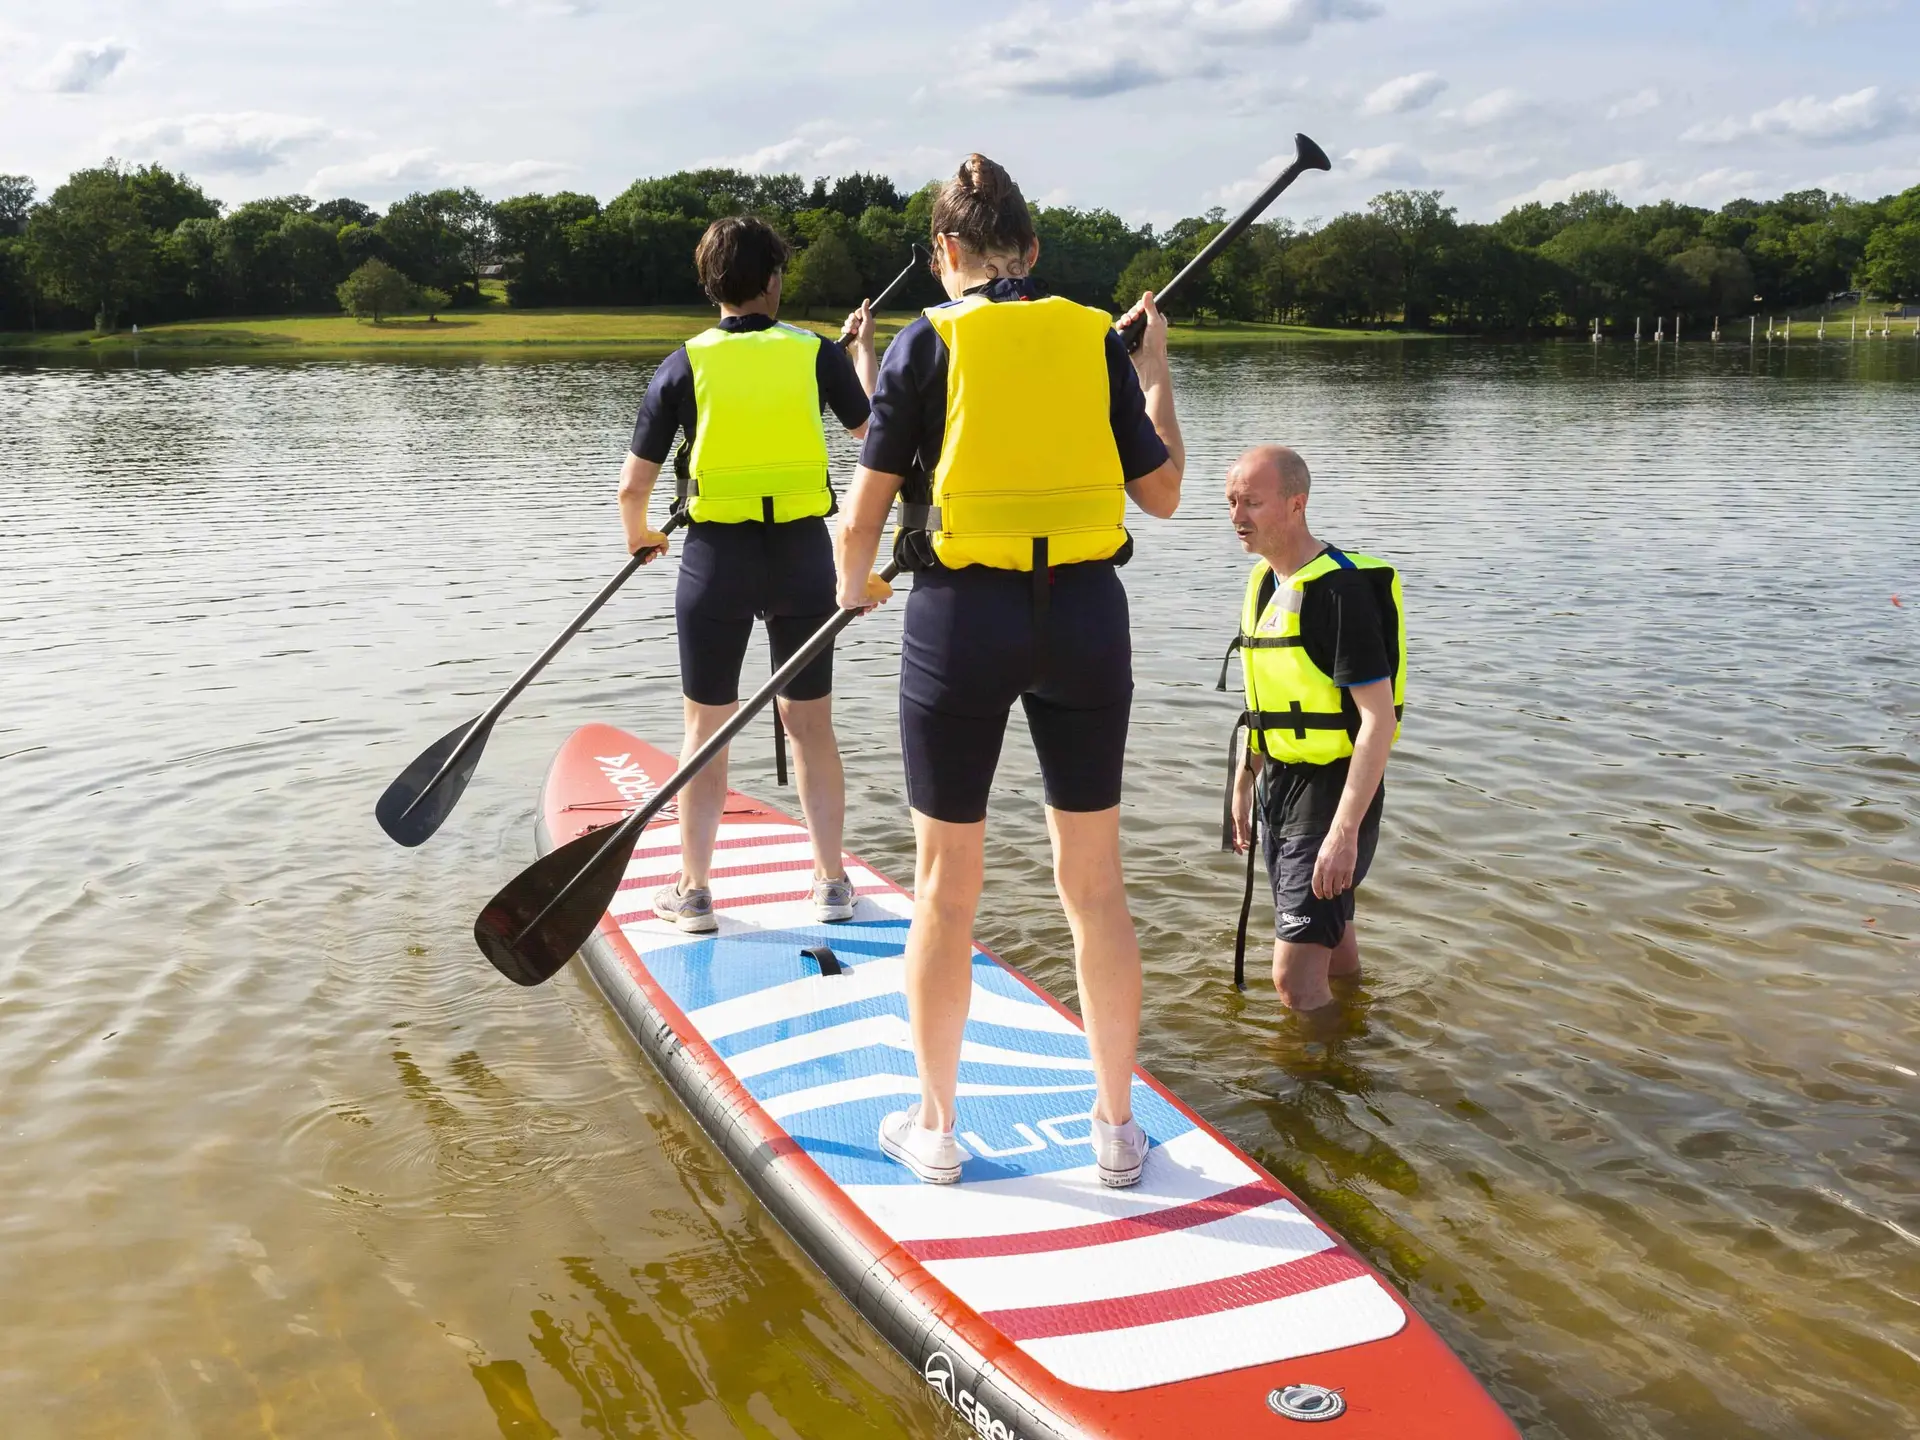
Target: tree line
x: 117, y: 244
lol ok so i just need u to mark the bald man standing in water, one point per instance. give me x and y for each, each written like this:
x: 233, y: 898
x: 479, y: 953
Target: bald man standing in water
x: 1323, y: 653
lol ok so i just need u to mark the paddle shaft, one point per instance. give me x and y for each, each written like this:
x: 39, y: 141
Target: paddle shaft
x: 892, y: 285
x: 627, y: 832
x: 1309, y: 157
x: 478, y: 730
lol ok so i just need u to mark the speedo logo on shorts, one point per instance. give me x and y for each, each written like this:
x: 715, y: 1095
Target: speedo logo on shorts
x: 1286, y: 919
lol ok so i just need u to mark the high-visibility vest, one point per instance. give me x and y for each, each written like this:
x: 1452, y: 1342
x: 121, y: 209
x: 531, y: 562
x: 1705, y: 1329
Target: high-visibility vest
x: 759, y: 449
x: 1295, y: 713
x: 1029, y: 474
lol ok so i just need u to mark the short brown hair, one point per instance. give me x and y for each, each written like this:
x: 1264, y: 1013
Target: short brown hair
x: 983, y: 209
x: 738, y: 257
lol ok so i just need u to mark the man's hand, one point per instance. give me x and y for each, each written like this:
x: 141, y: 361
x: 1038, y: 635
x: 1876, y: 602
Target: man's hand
x: 1333, y: 870
x: 864, y: 598
x: 1242, y: 810
x: 653, y: 544
x: 858, y: 331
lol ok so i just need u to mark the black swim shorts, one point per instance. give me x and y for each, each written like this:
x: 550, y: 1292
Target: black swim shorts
x: 971, y: 649
x: 1299, y: 916
x: 731, y: 575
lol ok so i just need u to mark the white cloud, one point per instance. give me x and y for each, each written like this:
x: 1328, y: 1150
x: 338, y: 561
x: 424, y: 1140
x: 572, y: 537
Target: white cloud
x: 1638, y: 103
x: 1482, y: 162
x: 1624, y: 178
x: 246, y: 142
x: 1713, y: 187
x: 1111, y: 46
x: 83, y: 66
x: 1408, y: 92
x: 1383, y: 162
x: 550, y: 7
x: 398, y: 172
x: 1843, y: 120
x: 1492, y: 108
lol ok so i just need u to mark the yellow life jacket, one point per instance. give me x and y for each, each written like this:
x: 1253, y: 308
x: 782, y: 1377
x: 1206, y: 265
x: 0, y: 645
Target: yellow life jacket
x: 759, y: 449
x: 1029, y: 474
x: 1295, y: 713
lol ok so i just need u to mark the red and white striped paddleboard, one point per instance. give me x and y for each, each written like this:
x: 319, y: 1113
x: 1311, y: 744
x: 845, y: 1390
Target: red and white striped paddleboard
x: 1036, y: 1301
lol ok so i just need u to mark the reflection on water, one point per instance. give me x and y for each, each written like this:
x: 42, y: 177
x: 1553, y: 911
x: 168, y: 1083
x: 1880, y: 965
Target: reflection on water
x: 1625, y: 1101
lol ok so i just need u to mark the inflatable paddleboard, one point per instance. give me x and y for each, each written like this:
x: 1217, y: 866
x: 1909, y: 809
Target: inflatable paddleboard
x: 1037, y: 1302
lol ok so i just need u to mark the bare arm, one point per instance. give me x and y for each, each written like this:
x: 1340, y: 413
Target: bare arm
x: 863, y: 520
x: 1159, y: 493
x: 1333, y: 871
x: 859, y: 330
x: 637, y: 478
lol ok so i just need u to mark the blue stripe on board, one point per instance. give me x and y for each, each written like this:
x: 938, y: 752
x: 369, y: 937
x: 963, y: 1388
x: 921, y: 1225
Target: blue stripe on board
x: 843, y: 1139
x: 1070, y: 1046
x: 725, y: 967
x: 893, y: 1060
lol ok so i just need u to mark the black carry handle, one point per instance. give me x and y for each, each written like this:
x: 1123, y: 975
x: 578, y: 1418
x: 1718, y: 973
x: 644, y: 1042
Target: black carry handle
x: 1306, y: 156
x: 541, y: 918
x: 421, y: 797
x: 892, y: 285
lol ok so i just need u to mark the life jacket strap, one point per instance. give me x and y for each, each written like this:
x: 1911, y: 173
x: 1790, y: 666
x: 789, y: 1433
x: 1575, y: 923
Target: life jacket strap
x: 919, y: 517
x: 1042, y: 601
x: 1297, y: 720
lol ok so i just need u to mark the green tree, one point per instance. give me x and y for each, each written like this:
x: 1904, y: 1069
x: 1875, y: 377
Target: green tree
x: 824, y: 273
x: 441, y: 238
x: 1709, y: 280
x: 1892, y: 262
x: 375, y: 289
x: 1083, y: 252
x: 165, y: 199
x: 1423, y: 227
x: 342, y: 213
x: 90, y: 246
x: 16, y: 202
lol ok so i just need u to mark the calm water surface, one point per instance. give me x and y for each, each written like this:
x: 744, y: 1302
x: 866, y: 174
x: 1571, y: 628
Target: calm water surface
x: 1628, y: 1104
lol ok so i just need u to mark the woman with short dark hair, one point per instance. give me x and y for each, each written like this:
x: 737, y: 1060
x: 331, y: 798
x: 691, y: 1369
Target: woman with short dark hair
x: 748, y: 394
x: 1014, y: 426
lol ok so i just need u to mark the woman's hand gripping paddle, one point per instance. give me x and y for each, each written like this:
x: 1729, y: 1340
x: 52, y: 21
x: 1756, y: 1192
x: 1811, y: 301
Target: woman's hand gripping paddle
x: 1306, y: 156
x: 549, y: 910
x: 419, y: 801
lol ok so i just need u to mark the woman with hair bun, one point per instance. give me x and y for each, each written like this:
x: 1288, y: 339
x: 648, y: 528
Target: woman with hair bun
x: 1013, y: 425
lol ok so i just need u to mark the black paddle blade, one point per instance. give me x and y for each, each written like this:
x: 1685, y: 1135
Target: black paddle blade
x: 1309, y: 156
x: 414, y: 805
x: 532, y: 956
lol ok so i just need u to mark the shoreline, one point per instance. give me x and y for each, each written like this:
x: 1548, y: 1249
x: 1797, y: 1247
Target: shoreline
x: 496, y: 330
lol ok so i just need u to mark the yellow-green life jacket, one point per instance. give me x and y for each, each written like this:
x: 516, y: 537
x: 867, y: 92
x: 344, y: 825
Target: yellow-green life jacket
x: 759, y: 448
x: 1295, y: 713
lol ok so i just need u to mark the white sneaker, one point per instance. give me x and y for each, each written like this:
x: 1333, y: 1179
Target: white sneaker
x: 832, y: 901
x: 690, y: 909
x: 932, y: 1155
x: 1120, y: 1152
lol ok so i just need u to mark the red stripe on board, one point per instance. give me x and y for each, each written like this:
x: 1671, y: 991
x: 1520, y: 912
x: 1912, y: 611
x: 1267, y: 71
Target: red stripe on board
x: 771, y: 867
x: 1236, y: 1292
x: 797, y: 832
x: 1107, y: 1232
x: 737, y: 901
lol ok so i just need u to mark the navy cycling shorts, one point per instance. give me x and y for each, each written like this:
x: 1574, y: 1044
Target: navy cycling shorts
x: 731, y: 575
x: 971, y: 649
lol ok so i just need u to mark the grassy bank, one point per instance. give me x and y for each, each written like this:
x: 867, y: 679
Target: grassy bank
x: 495, y: 328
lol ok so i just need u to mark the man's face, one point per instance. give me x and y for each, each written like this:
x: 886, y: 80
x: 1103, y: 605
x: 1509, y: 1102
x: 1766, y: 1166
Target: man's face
x: 1256, y: 507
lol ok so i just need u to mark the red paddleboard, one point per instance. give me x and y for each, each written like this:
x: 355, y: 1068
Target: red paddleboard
x: 1036, y: 1301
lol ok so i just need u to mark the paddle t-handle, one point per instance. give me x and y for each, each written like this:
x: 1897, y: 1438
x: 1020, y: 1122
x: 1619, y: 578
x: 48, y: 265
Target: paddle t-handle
x: 1306, y: 156
x: 886, y: 294
x: 540, y: 919
x: 421, y: 797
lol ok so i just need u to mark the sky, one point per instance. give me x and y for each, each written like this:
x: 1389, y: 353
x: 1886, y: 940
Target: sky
x: 1153, y: 108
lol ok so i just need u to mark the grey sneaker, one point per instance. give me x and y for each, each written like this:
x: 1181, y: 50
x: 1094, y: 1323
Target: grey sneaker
x: 1120, y: 1151
x: 691, y: 910
x: 832, y: 900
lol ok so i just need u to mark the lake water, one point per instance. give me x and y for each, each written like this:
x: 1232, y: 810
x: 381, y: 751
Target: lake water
x: 1628, y: 1104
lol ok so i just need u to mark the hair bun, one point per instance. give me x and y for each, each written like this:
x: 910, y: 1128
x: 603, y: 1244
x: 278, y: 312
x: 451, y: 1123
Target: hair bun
x: 983, y: 208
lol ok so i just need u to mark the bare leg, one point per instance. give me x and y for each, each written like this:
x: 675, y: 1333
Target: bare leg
x: 946, y: 891
x: 822, y: 782
x: 1106, y: 952
x: 1300, y: 975
x: 1346, y: 955
x: 705, y: 796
